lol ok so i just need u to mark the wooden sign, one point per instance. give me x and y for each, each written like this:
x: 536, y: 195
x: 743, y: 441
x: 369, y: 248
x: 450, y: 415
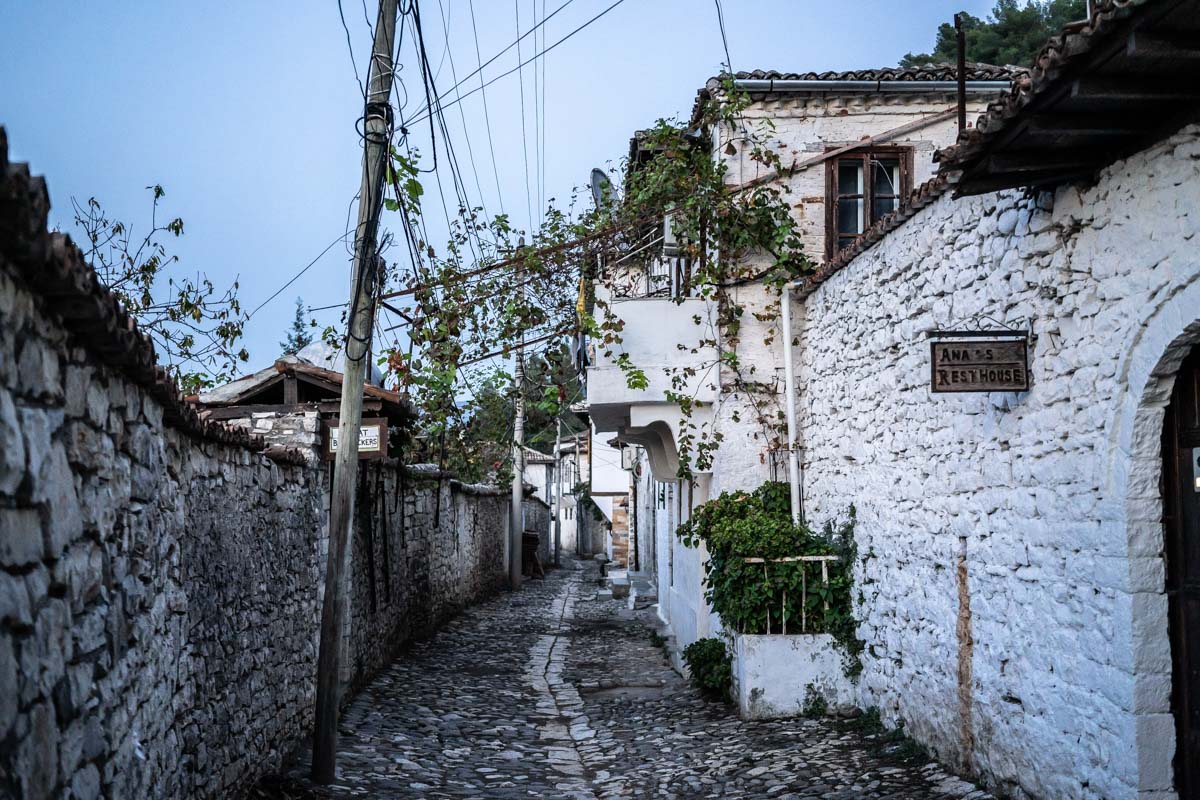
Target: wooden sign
x: 979, y: 365
x: 372, y: 439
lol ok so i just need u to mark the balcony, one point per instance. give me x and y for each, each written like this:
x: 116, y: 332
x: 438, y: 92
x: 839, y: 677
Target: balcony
x: 662, y: 337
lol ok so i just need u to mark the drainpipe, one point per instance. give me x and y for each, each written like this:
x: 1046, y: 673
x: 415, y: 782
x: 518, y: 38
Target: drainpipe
x: 789, y: 382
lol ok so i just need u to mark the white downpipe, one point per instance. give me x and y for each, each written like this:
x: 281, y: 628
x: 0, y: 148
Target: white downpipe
x: 789, y: 382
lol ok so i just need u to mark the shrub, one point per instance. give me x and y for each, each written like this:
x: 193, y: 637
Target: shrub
x: 710, y: 666
x: 760, y: 597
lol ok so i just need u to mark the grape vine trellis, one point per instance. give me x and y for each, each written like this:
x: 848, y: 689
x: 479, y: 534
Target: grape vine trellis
x: 489, y: 289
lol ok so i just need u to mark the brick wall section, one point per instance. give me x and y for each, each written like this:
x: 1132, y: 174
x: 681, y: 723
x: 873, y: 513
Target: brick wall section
x: 1038, y: 494
x: 160, y: 577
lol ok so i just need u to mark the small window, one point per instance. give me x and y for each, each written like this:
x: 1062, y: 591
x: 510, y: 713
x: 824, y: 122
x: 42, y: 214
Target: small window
x: 864, y: 187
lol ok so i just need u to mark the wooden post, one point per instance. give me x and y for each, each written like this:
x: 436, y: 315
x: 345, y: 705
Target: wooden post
x: 961, y: 72
x: 377, y: 124
x: 558, y: 490
x: 516, y: 528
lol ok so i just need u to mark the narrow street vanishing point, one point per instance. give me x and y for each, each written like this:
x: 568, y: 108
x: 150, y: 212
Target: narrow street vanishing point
x: 556, y: 692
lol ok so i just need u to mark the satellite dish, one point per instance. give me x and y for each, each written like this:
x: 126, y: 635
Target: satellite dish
x: 602, y: 188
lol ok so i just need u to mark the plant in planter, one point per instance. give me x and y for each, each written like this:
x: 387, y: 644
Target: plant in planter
x: 710, y: 666
x: 784, y: 593
x: 754, y: 580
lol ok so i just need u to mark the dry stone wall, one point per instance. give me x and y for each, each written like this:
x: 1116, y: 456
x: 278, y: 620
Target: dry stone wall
x: 157, y: 592
x: 160, y: 578
x: 425, y: 547
x: 1013, y: 609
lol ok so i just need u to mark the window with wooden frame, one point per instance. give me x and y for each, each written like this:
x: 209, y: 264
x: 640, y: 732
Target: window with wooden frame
x: 861, y: 187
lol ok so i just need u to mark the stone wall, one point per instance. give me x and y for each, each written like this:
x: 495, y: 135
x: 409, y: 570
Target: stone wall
x: 158, y: 591
x: 160, y: 577
x: 1014, y: 608
x: 301, y: 430
x: 425, y: 547
x: 536, y: 514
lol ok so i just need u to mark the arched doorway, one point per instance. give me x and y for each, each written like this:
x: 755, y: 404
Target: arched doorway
x: 1181, y: 546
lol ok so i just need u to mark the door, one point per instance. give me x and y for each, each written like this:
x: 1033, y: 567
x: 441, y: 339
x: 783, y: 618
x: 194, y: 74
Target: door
x: 1181, y: 522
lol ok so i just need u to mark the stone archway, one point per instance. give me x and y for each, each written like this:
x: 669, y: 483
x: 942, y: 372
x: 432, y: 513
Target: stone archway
x: 1147, y: 372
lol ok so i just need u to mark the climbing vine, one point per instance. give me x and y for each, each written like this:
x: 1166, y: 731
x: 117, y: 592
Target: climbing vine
x: 492, y: 287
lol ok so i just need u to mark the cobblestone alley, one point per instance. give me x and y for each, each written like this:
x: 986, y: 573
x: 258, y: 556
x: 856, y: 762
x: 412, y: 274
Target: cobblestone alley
x: 555, y: 693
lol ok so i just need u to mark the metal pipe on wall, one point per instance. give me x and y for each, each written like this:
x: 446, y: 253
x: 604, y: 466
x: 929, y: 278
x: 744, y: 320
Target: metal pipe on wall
x: 789, y: 382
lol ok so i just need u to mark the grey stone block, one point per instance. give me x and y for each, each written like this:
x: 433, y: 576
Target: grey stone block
x: 12, y: 447
x: 21, y: 541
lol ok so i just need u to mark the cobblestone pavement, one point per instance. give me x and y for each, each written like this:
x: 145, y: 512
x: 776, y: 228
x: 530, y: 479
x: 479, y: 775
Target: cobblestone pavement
x: 553, y: 693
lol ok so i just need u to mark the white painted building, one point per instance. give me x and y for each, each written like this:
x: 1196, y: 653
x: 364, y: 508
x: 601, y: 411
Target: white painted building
x: 1029, y: 559
x: 667, y: 327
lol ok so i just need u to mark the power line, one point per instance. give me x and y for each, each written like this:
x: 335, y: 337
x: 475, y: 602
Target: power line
x: 425, y: 113
x: 486, y: 116
x: 349, y: 44
x: 296, y: 277
x: 542, y: 198
x: 524, y: 142
x: 493, y: 58
x: 537, y: 115
x: 462, y: 116
x: 724, y: 40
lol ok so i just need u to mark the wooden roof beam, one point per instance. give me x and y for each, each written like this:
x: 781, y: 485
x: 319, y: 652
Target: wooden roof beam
x: 1042, y: 160
x: 1099, y: 125
x: 1132, y: 90
x: 1160, y: 45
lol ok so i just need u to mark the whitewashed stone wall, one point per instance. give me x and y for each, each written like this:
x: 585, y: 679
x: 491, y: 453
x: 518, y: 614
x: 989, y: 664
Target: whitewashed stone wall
x: 801, y: 127
x: 1014, y: 608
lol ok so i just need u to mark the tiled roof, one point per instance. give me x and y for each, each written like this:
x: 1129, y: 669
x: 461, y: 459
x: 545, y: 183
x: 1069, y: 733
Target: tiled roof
x: 1051, y: 69
x: 56, y: 270
x: 925, y: 72
x: 920, y: 197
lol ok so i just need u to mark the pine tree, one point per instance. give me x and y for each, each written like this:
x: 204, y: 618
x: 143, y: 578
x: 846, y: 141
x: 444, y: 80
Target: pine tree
x: 298, y: 336
x: 1012, y: 34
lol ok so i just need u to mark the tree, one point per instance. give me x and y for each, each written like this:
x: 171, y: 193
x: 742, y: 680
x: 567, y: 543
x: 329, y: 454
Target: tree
x: 298, y: 336
x: 1012, y: 33
x: 493, y: 286
x: 475, y: 442
x: 195, y: 328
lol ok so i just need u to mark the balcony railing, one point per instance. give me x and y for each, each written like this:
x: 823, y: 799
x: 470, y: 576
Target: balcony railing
x: 663, y: 277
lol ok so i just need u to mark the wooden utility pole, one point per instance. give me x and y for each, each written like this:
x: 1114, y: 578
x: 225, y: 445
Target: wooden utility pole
x: 960, y: 39
x: 377, y: 124
x: 516, y: 528
x: 558, y: 490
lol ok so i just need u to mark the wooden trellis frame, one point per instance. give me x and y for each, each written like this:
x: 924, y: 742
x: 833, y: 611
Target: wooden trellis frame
x: 803, y: 584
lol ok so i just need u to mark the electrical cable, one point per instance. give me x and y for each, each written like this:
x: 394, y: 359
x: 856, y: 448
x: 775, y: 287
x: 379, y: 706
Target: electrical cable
x: 724, y: 40
x: 349, y: 44
x: 481, y: 67
x: 463, y: 117
x: 424, y: 114
x: 524, y: 139
x: 486, y: 116
x: 296, y: 277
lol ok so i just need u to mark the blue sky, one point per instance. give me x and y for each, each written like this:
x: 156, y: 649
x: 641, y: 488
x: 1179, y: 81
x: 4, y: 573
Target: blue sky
x: 245, y: 111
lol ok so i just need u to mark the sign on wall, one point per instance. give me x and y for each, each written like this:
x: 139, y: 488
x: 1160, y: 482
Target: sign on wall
x: 979, y: 361
x: 372, y: 439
